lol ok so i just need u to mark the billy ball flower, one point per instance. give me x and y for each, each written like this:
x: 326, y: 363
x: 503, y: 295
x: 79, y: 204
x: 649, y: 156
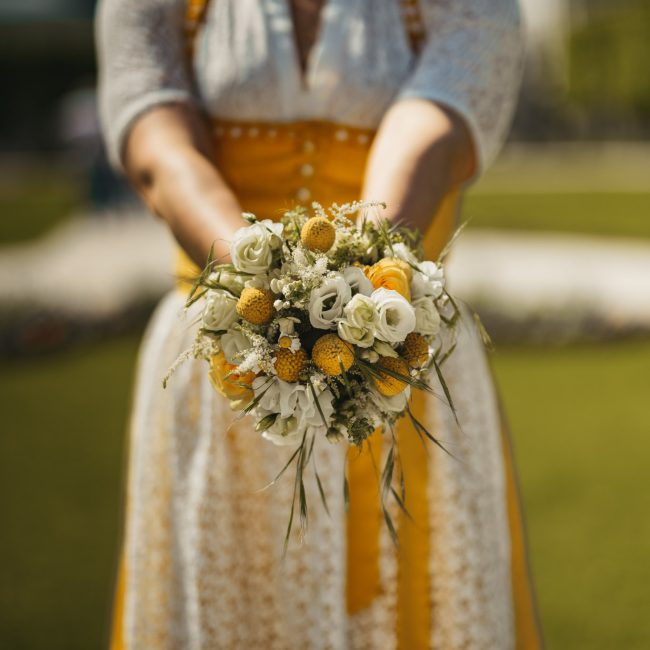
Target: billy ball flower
x: 415, y: 350
x: 388, y: 384
x: 256, y: 305
x: 288, y: 364
x: 318, y: 234
x: 330, y: 353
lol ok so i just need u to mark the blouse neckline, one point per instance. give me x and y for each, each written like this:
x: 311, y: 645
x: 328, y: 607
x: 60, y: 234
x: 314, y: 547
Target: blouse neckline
x: 306, y: 81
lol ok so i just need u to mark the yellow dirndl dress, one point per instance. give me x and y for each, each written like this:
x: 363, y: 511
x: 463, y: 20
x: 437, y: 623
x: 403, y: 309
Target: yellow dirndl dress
x: 271, y: 167
x: 268, y: 165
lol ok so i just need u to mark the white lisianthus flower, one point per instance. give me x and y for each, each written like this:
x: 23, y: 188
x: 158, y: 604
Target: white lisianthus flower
x: 219, y: 311
x: 359, y: 320
x: 401, y: 252
x: 327, y: 301
x: 428, y: 281
x: 427, y: 318
x: 396, y: 317
x: 252, y: 247
x: 232, y: 343
x: 357, y: 280
x: 295, y: 407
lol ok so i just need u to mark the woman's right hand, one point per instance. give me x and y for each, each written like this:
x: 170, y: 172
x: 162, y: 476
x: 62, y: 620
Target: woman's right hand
x: 167, y: 159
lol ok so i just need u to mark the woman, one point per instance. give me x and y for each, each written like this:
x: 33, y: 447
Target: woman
x: 256, y: 105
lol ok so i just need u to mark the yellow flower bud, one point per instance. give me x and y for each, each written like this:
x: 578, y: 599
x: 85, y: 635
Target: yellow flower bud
x: 415, y: 350
x: 387, y: 384
x: 330, y: 353
x: 318, y: 234
x: 289, y: 364
x: 256, y: 305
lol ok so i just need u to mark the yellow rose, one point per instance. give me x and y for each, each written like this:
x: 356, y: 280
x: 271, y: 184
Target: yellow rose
x: 230, y: 387
x: 390, y: 273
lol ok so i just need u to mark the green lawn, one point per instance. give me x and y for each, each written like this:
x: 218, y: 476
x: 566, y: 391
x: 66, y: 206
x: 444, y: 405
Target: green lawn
x: 581, y: 428
x: 603, y: 213
x: 61, y: 469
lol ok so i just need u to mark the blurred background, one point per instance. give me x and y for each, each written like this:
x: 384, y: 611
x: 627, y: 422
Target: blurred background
x: 556, y: 258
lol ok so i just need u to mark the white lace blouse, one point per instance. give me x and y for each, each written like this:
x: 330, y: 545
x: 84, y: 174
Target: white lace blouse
x: 246, y: 66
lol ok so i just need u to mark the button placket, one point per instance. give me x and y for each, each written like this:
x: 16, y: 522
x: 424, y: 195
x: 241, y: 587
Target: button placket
x: 306, y: 171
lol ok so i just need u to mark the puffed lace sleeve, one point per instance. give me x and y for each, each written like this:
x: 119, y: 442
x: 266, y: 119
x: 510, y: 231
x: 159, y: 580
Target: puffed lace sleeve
x: 142, y: 63
x: 471, y: 62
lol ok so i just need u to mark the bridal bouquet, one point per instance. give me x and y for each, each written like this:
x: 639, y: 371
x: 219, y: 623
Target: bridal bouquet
x: 322, y: 325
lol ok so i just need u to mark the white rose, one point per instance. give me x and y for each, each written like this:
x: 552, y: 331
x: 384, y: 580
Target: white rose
x: 232, y: 343
x: 219, y: 311
x: 427, y: 318
x: 428, y: 281
x: 396, y: 317
x: 359, y: 320
x: 357, y: 280
x: 252, y: 247
x: 327, y: 301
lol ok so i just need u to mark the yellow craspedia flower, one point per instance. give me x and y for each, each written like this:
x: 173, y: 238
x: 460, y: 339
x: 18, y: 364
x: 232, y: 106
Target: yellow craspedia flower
x: 387, y: 384
x: 318, y: 234
x: 255, y: 305
x: 390, y: 273
x: 236, y: 388
x: 415, y: 350
x: 289, y: 364
x: 330, y: 352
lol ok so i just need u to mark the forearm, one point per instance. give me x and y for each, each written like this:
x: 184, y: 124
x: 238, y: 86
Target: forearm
x: 170, y: 167
x: 420, y: 153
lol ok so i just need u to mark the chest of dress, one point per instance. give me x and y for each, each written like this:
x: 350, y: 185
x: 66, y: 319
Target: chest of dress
x: 247, y: 64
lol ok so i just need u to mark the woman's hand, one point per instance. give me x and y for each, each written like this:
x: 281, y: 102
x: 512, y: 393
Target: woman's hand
x: 168, y: 162
x: 421, y: 151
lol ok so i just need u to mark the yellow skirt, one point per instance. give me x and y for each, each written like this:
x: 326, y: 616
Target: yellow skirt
x: 273, y: 167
